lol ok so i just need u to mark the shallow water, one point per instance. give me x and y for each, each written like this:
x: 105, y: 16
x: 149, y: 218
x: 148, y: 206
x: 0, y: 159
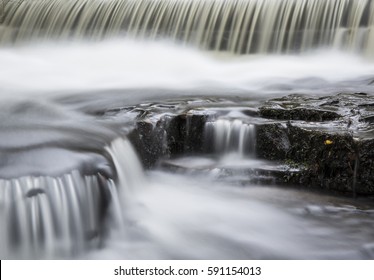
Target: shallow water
x: 195, y: 217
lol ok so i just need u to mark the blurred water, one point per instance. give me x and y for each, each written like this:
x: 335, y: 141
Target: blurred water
x: 235, y: 26
x: 49, y: 217
x: 49, y: 69
x: 195, y: 217
x: 51, y: 96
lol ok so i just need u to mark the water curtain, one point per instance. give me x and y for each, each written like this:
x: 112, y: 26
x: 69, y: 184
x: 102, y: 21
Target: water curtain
x: 236, y: 26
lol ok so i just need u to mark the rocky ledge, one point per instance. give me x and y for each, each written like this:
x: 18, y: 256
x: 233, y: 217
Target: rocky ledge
x: 320, y: 142
x: 330, y: 138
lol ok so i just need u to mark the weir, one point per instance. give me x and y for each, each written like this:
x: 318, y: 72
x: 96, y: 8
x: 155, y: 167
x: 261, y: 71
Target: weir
x: 236, y: 26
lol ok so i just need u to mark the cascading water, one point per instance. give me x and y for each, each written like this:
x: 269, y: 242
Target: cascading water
x: 233, y: 136
x: 128, y: 166
x: 48, y: 217
x: 130, y: 180
x: 59, y: 217
x: 237, y: 26
x: 72, y: 188
x: 232, y: 142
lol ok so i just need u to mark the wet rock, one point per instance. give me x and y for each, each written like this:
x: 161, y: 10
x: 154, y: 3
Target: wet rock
x: 194, y: 129
x: 297, y: 107
x: 365, y: 168
x: 323, y: 142
x: 148, y: 139
x: 333, y: 147
x: 163, y: 134
x: 329, y: 158
x: 34, y: 192
x: 274, y: 136
x: 298, y: 114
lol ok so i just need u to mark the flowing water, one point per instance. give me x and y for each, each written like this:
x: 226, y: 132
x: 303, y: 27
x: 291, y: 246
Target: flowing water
x: 239, y: 26
x: 71, y: 182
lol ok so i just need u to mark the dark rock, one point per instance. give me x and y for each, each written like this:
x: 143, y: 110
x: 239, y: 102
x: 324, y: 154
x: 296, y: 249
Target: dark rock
x: 148, y: 139
x: 34, y: 192
x: 166, y: 135
x: 299, y: 107
x: 337, y: 157
x: 176, y: 134
x: 365, y: 169
x: 330, y: 158
x: 274, y: 136
x: 298, y: 114
x: 324, y: 142
x: 194, y: 129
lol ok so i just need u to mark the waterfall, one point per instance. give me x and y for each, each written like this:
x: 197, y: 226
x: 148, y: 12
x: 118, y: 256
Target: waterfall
x: 130, y: 178
x: 69, y: 189
x: 236, y: 26
x: 232, y: 136
x: 127, y: 164
x: 49, y: 217
x: 58, y: 217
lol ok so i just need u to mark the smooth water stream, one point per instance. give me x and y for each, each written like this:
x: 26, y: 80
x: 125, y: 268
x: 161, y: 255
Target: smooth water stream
x: 48, y: 69
x: 195, y: 217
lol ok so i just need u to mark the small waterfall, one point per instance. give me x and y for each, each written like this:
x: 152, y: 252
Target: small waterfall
x: 58, y: 217
x: 232, y: 136
x: 236, y: 26
x: 127, y: 164
x: 130, y: 178
x: 49, y: 217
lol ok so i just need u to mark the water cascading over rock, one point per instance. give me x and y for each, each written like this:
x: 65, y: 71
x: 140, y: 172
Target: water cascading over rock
x: 63, y: 216
x: 50, y: 216
x: 237, y: 26
x: 130, y: 177
x: 69, y: 185
x: 231, y: 136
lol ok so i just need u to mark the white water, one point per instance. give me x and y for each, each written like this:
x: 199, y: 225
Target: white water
x: 237, y: 26
x: 184, y: 217
x: 232, y: 136
x: 157, y: 214
x: 171, y: 216
x: 49, y: 217
x: 46, y: 70
x: 61, y: 217
x: 127, y: 164
x: 159, y: 219
x: 131, y: 181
